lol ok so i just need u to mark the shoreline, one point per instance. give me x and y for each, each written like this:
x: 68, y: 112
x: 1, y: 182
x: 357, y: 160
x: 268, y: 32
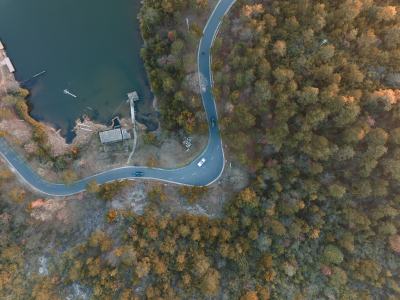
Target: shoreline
x: 158, y: 149
x: 10, y: 85
x: 41, y: 106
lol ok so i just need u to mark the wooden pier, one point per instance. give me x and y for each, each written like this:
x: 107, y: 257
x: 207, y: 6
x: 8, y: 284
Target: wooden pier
x: 132, y: 98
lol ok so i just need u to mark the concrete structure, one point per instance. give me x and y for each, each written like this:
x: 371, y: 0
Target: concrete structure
x: 134, y: 96
x: 6, y: 61
x: 9, y: 65
x: 114, y: 136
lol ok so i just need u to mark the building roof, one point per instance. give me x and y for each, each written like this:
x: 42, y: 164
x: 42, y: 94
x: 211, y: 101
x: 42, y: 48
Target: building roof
x: 114, y: 135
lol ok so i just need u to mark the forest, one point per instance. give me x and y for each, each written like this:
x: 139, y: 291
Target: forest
x: 169, y: 56
x: 308, y: 94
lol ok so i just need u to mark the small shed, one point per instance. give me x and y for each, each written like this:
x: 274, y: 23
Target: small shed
x: 114, y: 136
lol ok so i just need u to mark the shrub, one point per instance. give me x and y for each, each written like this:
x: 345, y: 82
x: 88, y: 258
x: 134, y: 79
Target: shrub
x: 332, y: 255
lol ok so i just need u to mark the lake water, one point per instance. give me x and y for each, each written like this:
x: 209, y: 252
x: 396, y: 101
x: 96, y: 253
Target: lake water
x: 90, y: 47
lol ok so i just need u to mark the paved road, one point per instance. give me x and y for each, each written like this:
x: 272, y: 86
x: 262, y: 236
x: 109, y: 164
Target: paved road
x: 189, y: 175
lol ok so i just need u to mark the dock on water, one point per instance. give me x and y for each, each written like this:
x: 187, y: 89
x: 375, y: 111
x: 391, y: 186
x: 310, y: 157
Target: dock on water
x: 133, y: 97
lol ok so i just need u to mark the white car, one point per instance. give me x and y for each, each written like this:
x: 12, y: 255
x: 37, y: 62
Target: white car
x: 201, y: 162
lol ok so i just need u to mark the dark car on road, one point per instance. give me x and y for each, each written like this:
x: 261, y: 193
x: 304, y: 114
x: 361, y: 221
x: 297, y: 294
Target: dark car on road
x: 139, y: 174
x: 213, y: 122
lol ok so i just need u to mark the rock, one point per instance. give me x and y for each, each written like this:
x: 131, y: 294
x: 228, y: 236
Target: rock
x: 42, y: 172
x: 78, y: 291
x: 229, y: 107
x: 192, y: 82
x: 43, y: 210
x: 133, y: 199
x: 141, y: 126
x: 5, y: 218
x: 31, y: 148
x: 37, y: 203
x: 18, y: 130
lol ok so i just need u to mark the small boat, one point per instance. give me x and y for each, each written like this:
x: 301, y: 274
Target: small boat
x: 66, y: 92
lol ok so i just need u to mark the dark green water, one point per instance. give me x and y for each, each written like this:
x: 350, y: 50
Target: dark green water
x: 91, y: 47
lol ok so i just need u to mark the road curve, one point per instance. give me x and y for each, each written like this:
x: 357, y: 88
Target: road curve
x: 190, y: 174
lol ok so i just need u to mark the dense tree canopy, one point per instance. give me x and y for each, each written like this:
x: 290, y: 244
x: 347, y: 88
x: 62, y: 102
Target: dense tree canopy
x: 308, y: 95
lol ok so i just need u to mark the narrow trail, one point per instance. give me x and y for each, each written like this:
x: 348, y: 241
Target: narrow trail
x: 134, y: 145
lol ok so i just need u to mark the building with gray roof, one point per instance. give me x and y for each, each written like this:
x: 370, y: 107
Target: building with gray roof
x: 114, y: 136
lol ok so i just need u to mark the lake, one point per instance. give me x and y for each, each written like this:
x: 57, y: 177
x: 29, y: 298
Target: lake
x: 90, y: 47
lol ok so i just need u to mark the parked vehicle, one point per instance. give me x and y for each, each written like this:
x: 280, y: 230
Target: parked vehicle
x: 201, y: 162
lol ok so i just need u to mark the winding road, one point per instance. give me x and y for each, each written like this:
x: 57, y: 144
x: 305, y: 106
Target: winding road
x: 190, y: 174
